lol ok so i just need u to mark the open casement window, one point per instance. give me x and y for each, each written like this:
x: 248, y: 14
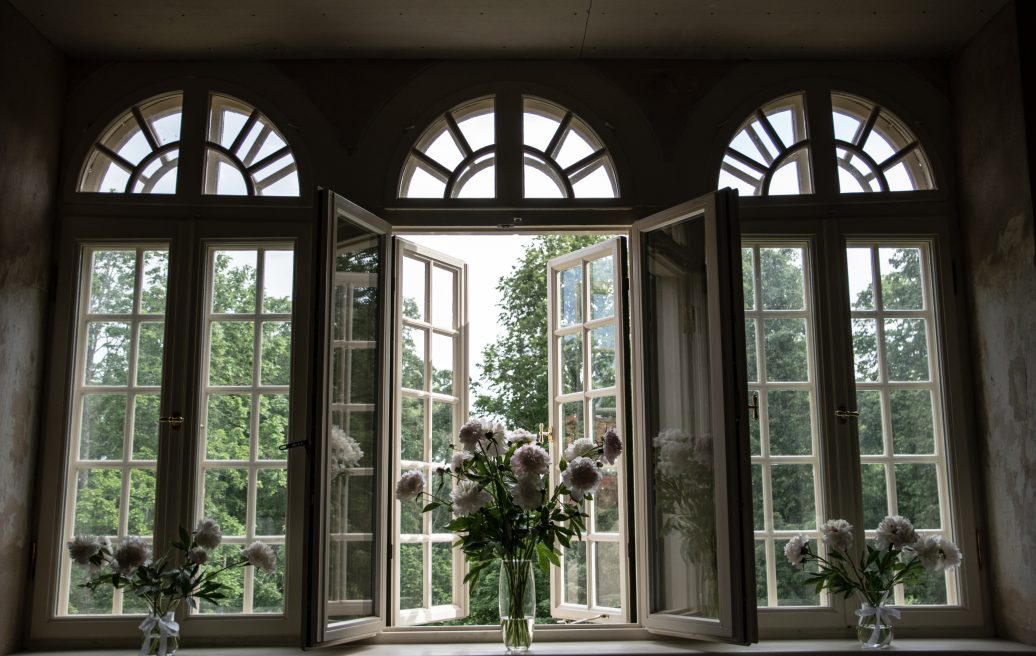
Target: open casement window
x: 587, y: 391
x: 694, y: 524
x: 431, y: 378
x: 348, y: 577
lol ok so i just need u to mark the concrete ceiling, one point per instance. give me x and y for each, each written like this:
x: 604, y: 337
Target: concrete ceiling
x: 128, y: 29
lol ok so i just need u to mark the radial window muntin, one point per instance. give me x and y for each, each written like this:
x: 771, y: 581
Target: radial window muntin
x: 759, y: 152
x: 878, y: 153
x: 449, y: 156
x: 549, y: 159
x: 257, y: 151
x: 143, y: 144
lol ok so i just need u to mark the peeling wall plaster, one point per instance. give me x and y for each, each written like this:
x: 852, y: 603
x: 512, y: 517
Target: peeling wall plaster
x: 997, y: 226
x: 31, y: 89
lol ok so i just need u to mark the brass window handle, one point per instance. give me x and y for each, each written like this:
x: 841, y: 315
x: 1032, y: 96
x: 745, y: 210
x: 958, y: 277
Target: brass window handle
x: 175, y: 421
x: 844, y: 415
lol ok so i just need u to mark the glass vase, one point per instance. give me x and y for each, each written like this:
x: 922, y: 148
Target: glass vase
x: 517, y: 604
x: 161, y: 635
x: 874, y: 628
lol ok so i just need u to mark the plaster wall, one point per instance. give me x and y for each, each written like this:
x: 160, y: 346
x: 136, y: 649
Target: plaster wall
x: 997, y: 224
x: 31, y: 94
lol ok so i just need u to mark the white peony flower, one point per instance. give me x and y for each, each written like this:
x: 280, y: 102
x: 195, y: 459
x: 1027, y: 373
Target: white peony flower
x: 530, y: 460
x: 793, y: 550
x: 470, y: 433
x: 494, y: 439
x: 260, y: 555
x: 82, y: 548
x: 198, y: 556
x: 460, y: 459
x: 581, y: 447
x: 528, y: 494
x: 131, y: 554
x: 410, y: 485
x: 612, y: 446
x: 896, y: 531
x: 345, y: 452
x: 936, y: 552
x: 468, y: 497
x: 520, y: 436
x: 208, y: 535
x: 581, y: 477
x: 838, y: 534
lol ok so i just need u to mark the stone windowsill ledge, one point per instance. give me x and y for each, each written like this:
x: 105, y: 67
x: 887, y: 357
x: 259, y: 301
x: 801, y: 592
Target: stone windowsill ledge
x: 956, y: 647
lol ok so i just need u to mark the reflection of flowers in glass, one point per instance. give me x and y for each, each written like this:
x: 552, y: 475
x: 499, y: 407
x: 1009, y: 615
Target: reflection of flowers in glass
x: 678, y: 451
x: 345, y: 452
x: 612, y: 446
x: 607, y: 494
x: 838, y: 534
x: 410, y: 485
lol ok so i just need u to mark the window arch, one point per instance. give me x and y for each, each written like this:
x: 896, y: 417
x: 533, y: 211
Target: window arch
x: 769, y: 154
x: 245, y: 154
x: 139, y: 152
x: 457, y: 155
x: 875, y: 150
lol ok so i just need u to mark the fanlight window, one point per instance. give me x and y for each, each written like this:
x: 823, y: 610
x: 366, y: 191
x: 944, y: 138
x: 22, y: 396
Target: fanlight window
x: 562, y: 156
x: 456, y: 156
x: 139, y: 152
x: 245, y: 154
x: 875, y: 150
x: 769, y: 154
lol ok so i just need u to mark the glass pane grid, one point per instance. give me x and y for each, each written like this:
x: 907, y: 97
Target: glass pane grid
x: 785, y: 454
x: 114, y: 440
x: 902, y: 453
x: 429, y: 417
x: 242, y: 471
x: 585, y: 399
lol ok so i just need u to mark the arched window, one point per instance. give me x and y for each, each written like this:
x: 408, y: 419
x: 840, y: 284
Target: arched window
x: 456, y: 156
x: 769, y: 154
x: 245, y: 154
x: 876, y: 151
x: 139, y: 151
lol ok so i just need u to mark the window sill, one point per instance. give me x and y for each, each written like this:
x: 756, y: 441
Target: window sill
x: 957, y: 647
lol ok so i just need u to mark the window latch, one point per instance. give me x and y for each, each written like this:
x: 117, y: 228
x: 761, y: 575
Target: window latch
x: 844, y: 415
x: 754, y: 406
x: 292, y: 445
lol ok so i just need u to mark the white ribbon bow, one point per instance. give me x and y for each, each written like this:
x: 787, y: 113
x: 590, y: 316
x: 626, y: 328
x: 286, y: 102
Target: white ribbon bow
x: 883, y: 615
x: 167, y: 626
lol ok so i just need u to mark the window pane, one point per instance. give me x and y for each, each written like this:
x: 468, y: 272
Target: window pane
x: 145, y: 426
x: 268, y: 596
x: 231, y: 354
x: 442, y: 573
x: 793, y: 497
x: 273, y: 426
x: 271, y: 501
x: 748, y: 278
x: 917, y: 493
x: 278, y: 277
x: 603, y: 416
x: 233, y: 579
x: 443, y: 433
x: 861, y: 278
x: 228, y: 427
x: 104, y: 423
x: 750, y: 351
x: 785, y: 347
x: 791, y: 588
x: 572, y: 422
x: 931, y: 589
x: 875, y: 507
x: 602, y: 288
x: 572, y: 363
x: 226, y: 499
x: 602, y: 357
x: 868, y: 403
x: 570, y: 296
x: 781, y: 274
x: 364, y: 320
x: 362, y: 375
x: 758, y: 513
x: 276, y: 353
x: 233, y: 281
x: 606, y: 503
x: 443, y: 282
x: 414, y: 355
x: 761, y: 598
x: 150, y: 342
x: 912, y: 428
x: 113, y: 282
x: 865, y: 349
x: 98, y: 496
x: 790, y: 422
x: 574, y: 574
x: 608, y: 574
x: 141, y: 515
x: 442, y: 364
x: 906, y: 349
x: 156, y: 271
x: 411, y: 576
x: 107, y: 353
x: 412, y: 429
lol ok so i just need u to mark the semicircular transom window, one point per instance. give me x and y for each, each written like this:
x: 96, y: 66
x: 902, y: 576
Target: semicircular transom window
x: 875, y: 150
x: 245, y: 154
x: 455, y: 157
x: 139, y: 152
x: 769, y: 154
x: 563, y: 157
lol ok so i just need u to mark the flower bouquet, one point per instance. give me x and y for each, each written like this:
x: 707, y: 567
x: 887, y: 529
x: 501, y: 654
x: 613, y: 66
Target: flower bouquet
x: 503, y: 510
x: 160, y: 583
x: 899, y: 555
